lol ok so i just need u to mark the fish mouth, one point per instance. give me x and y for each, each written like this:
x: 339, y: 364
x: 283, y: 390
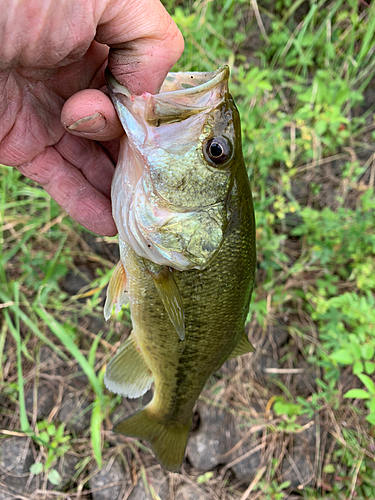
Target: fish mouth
x: 181, y: 95
x: 189, y: 83
x: 194, y: 82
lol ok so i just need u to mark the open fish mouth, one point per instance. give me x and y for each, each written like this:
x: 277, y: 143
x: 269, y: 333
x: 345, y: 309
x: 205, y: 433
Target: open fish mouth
x: 181, y: 95
x: 168, y: 201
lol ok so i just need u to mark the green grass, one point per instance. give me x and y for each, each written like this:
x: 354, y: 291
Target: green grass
x: 308, y: 139
x: 38, y: 247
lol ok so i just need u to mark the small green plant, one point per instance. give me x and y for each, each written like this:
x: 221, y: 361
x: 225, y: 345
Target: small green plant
x: 205, y: 478
x: 300, y: 94
x: 56, y: 444
x: 343, y: 242
x: 290, y: 412
x: 272, y: 490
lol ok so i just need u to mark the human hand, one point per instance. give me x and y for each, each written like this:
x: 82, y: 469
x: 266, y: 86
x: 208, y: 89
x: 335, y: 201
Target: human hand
x: 49, y: 51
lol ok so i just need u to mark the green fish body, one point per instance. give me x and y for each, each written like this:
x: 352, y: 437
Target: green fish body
x: 183, y: 208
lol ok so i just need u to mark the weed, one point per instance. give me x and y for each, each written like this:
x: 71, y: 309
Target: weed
x: 308, y: 145
x: 56, y: 443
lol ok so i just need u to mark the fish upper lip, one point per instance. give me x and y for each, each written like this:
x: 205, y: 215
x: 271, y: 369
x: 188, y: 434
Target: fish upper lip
x: 220, y: 74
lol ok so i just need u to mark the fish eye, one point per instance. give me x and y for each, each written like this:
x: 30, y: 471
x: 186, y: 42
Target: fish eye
x: 218, y: 150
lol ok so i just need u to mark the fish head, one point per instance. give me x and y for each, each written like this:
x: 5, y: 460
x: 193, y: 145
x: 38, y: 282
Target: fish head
x: 176, y: 167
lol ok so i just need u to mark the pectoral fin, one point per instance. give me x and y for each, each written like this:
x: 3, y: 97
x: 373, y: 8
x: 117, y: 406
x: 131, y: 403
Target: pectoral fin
x: 127, y: 373
x: 116, y: 291
x: 243, y: 347
x: 171, y: 297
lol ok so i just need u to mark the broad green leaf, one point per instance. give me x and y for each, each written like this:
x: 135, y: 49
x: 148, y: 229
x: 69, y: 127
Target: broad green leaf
x: 320, y: 127
x: 357, y: 367
x: 369, y: 367
x: 51, y: 429
x: 342, y: 356
x: 357, y: 394
x: 54, y: 477
x: 44, y: 436
x: 284, y: 485
x: 367, y: 382
x: 282, y: 407
x: 371, y: 418
x: 367, y: 351
x: 36, y: 468
x: 60, y: 431
x: 371, y: 405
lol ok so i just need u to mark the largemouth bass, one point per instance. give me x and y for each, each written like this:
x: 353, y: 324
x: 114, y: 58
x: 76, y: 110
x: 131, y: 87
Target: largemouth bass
x: 183, y: 209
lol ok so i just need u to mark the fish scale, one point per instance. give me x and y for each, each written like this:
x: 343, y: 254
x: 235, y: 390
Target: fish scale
x: 188, y: 316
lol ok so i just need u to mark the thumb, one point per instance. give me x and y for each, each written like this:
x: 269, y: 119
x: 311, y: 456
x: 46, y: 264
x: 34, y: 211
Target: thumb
x: 144, y: 40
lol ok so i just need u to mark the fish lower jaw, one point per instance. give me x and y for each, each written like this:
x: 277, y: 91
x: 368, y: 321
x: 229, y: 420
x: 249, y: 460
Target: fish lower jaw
x: 148, y: 250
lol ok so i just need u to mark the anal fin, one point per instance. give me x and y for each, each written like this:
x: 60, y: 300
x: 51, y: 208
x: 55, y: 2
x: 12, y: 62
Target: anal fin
x: 243, y: 347
x: 171, y: 297
x: 116, y: 291
x: 127, y: 373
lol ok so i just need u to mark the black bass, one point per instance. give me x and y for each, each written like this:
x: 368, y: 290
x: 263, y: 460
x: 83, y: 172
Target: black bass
x: 183, y: 209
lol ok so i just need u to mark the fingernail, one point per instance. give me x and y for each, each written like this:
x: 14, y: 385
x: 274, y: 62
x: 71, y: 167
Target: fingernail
x: 89, y: 124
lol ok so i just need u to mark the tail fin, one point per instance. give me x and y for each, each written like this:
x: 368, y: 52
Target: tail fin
x: 167, y: 440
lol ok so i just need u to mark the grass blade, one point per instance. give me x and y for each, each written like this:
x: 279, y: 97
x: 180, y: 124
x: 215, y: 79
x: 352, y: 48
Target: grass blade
x: 93, y: 349
x: 64, y: 338
x: 24, y: 422
x: 368, y: 39
x: 6, y: 257
x: 97, y: 416
x: 95, y: 428
x: 17, y: 311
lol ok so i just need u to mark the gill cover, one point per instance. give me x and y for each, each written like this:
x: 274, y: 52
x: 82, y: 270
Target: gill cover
x: 169, y: 202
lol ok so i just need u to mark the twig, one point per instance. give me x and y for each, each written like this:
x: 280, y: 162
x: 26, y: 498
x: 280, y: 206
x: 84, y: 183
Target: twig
x: 254, y: 5
x: 322, y: 161
x: 354, y: 481
x: 253, y: 483
x: 284, y: 370
x: 242, y: 457
x: 253, y: 430
x: 12, y: 433
x: 7, y: 304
